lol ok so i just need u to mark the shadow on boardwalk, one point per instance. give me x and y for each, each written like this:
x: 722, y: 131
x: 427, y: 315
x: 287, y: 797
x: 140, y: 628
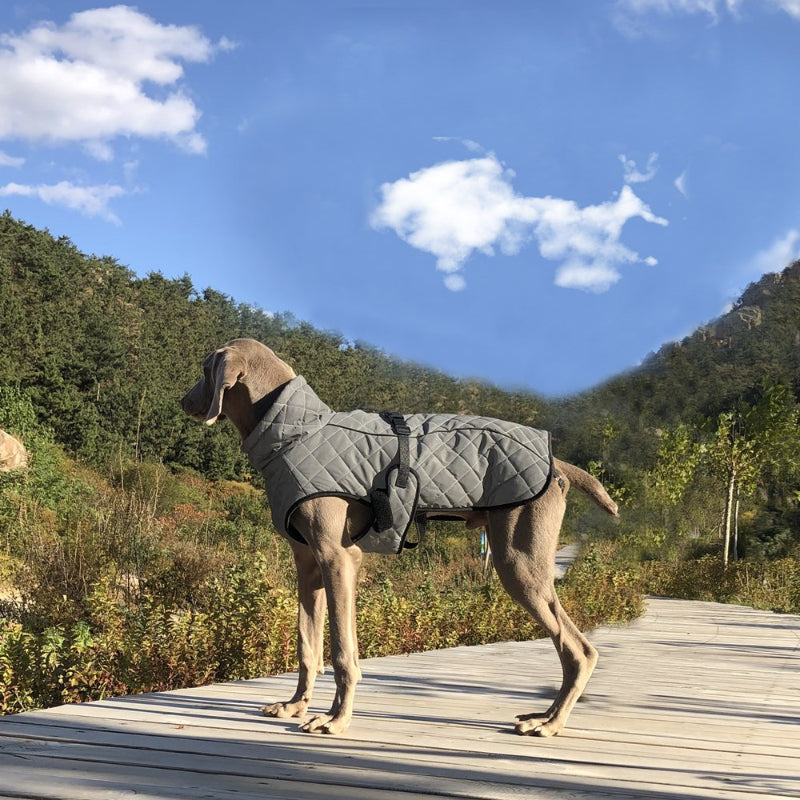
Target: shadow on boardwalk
x: 694, y: 700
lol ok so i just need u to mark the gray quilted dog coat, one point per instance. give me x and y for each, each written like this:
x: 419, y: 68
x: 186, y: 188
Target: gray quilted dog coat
x: 454, y: 463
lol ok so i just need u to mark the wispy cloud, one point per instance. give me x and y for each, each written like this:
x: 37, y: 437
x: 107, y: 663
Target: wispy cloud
x: 632, y: 174
x: 783, y: 251
x: 455, y: 208
x: 680, y: 184
x: 10, y: 161
x: 129, y: 169
x: 92, y: 80
x: 629, y: 14
x: 89, y: 200
x: 709, y: 7
x: 472, y: 146
x: 791, y: 7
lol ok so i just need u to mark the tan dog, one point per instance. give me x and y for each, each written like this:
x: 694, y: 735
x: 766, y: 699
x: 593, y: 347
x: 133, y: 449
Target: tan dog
x: 240, y: 381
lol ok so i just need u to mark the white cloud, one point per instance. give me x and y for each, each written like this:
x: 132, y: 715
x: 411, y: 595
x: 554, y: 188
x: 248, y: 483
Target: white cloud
x: 627, y: 11
x: 709, y: 7
x: 680, y: 184
x: 226, y: 45
x: 472, y: 146
x: 791, y: 7
x: 10, y: 161
x: 455, y: 282
x: 89, y: 200
x: 454, y: 208
x: 631, y: 174
x: 90, y: 80
x: 102, y: 151
x: 129, y: 169
x: 779, y: 254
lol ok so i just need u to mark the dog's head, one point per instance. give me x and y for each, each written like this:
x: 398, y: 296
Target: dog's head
x: 235, y: 378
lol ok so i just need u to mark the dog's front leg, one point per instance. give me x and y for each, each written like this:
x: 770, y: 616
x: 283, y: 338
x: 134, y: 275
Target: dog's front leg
x: 310, y: 629
x: 340, y: 576
x: 326, y: 532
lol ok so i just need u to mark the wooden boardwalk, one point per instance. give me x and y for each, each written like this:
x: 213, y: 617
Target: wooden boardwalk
x: 694, y: 700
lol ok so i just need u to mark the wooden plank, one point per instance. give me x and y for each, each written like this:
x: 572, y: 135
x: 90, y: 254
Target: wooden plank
x: 57, y: 780
x: 689, y: 701
x: 539, y: 756
x: 497, y: 779
x: 427, y: 746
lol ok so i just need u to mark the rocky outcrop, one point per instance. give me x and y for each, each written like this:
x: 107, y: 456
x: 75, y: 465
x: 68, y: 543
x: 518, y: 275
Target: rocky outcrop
x: 12, y: 453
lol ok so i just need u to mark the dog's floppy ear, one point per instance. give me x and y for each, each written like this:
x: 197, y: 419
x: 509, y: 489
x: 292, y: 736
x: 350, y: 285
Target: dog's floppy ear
x: 227, y: 368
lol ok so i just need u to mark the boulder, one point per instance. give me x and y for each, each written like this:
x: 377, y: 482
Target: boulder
x: 12, y: 453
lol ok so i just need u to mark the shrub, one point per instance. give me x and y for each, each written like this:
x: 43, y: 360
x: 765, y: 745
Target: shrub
x: 601, y: 588
x: 773, y: 585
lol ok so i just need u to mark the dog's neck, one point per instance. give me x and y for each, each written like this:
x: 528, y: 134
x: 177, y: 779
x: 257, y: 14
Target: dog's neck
x: 245, y: 416
x: 260, y: 407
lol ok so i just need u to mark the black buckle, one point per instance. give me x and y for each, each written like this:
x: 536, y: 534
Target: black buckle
x: 397, y: 421
x: 401, y: 428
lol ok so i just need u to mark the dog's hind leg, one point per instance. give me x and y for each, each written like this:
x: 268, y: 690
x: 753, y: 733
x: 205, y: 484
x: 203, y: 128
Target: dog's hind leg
x: 523, y: 542
x: 324, y: 524
x: 310, y: 629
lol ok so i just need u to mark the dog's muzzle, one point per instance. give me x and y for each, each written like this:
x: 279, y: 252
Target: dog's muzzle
x: 194, y: 402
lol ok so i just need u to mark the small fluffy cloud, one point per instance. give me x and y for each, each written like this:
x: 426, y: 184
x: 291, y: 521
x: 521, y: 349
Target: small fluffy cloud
x: 91, y: 80
x: 89, y: 200
x: 632, y: 174
x: 455, y: 208
x: 779, y: 254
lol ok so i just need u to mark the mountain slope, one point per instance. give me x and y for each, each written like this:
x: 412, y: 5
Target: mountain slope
x: 722, y: 362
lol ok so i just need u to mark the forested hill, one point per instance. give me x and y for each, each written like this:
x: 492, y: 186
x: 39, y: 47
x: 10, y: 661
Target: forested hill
x: 723, y: 364
x: 98, y: 357
x: 105, y: 355
x: 723, y: 359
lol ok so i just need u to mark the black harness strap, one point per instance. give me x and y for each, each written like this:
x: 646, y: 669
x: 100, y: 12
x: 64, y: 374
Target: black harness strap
x: 381, y: 507
x: 403, y: 432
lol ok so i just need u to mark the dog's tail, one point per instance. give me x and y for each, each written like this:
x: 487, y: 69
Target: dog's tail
x: 588, y: 484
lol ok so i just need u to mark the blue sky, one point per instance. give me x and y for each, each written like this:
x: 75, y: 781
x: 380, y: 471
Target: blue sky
x: 534, y: 193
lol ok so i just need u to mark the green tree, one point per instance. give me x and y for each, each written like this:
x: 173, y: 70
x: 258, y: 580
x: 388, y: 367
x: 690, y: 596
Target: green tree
x: 733, y: 458
x: 679, y: 455
x: 774, y: 425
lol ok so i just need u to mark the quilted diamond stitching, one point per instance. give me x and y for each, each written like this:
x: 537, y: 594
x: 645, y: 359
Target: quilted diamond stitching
x: 461, y: 461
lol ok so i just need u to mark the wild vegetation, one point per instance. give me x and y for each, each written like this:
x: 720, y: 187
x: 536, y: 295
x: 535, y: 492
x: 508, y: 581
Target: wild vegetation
x: 137, y: 551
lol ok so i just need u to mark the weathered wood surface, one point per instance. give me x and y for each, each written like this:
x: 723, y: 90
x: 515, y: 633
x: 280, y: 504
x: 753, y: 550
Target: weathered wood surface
x: 694, y: 700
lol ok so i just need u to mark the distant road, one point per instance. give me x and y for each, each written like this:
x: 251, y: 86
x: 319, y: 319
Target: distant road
x: 564, y: 557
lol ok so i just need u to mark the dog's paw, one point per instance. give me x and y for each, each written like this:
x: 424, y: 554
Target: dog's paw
x: 284, y: 710
x: 326, y: 723
x: 531, y: 725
